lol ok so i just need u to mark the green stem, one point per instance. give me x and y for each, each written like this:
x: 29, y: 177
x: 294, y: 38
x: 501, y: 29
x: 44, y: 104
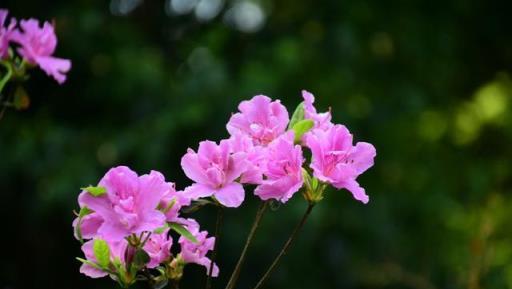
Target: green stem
x: 218, y: 225
x: 7, y: 75
x: 3, y: 82
x: 286, y: 246
x: 236, y: 272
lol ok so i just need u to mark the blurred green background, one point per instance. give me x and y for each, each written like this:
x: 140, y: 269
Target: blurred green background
x: 427, y: 82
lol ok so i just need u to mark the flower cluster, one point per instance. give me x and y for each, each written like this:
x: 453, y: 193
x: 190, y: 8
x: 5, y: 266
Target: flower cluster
x: 126, y: 219
x: 124, y: 223
x: 265, y: 149
x: 35, y: 44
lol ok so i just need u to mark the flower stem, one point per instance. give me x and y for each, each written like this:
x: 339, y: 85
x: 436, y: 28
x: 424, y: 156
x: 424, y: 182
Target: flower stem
x: 236, y: 272
x: 7, y: 75
x: 292, y: 237
x: 4, y: 81
x: 218, y: 225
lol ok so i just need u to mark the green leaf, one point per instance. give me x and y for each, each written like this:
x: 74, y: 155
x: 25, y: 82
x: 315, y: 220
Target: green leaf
x: 141, y: 258
x: 183, y: 231
x: 88, y: 263
x: 95, y: 191
x: 161, y: 229
x: 301, y: 127
x: 101, y: 252
x: 297, y: 115
x: 314, y: 183
x: 84, y: 211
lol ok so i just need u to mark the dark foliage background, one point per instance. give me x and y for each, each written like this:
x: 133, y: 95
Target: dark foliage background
x: 427, y: 82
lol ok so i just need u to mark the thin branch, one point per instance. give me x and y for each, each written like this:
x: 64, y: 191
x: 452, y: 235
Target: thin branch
x: 286, y: 246
x: 236, y: 272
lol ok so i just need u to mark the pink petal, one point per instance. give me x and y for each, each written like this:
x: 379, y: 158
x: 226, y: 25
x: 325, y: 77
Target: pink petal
x: 231, y: 195
x: 120, y: 179
x: 196, y: 191
x: 358, y: 192
x: 363, y: 155
x: 89, y: 225
x: 191, y: 167
x: 112, y: 231
x: 55, y: 67
x: 152, y: 188
x: 205, y: 261
x: 92, y: 272
x: 281, y: 190
x: 237, y: 123
x: 100, y: 205
x: 3, y: 16
x: 153, y: 219
x: 206, y: 152
x: 236, y: 166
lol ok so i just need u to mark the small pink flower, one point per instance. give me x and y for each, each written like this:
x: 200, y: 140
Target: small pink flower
x: 172, y: 202
x: 158, y: 248
x: 283, y: 169
x: 336, y: 161
x: 322, y: 120
x: 37, y: 47
x: 117, y: 251
x: 196, y: 252
x: 130, y: 203
x: 214, y: 170
x: 260, y: 118
x: 5, y: 33
x: 255, y: 157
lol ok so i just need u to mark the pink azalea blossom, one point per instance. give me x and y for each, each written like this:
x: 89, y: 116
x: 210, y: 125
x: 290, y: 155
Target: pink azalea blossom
x: 5, y: 33
x: 37, y: 47
x: 255, y: 157
x: 260, y: 118
x: 172, y: 202
x: 283, y: 169
x: 322, y: 120
x: 158, y: 248
x: 89, y: 226
x: 130, y: 203
x: 196, y: 252
x: 336, y: 161
x: 214, y: 170
x: 117, y: 251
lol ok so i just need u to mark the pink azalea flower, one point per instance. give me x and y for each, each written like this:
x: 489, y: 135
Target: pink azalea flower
x: 214, y: 170
x: 336, y: 161
x: 129, y: 205
x: 322, y: 120
x: 172, y: 202
x: 158, y: 248
x: 5, y: 33
x: 89, y: 226
x: 283, y: 170
x: 117, y: 251
x: 260, y: 118
x: 255, y: 156
x: 196, y: 252
x: 37, y: 47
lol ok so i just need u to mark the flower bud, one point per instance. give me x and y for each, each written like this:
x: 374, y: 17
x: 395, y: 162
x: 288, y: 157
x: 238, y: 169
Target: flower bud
x: 175, y: 268
x: 314, y: 191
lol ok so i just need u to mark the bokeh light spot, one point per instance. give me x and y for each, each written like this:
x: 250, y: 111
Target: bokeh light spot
x: 432, y: 125
x: 246, y: 16
x: 208, y: 9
